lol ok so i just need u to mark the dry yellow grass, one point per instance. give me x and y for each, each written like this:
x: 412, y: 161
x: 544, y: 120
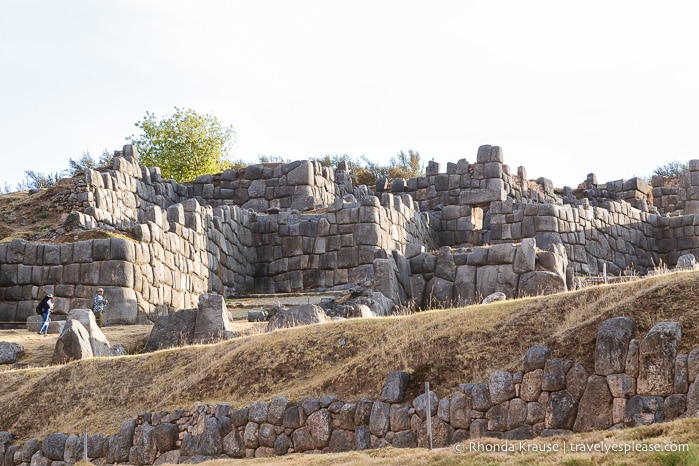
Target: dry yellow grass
x: 348, y: 359
x: 38, y: 349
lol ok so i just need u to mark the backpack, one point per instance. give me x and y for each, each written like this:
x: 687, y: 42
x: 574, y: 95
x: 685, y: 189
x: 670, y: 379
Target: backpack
x: 41, y: 306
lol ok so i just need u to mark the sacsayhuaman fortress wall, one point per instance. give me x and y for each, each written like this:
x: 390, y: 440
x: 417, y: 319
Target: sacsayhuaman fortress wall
x: 634, y: 382
x: 445, y: 238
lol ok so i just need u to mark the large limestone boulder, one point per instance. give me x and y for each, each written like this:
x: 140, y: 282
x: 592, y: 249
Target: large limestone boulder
x: 501, y: 387
x: 460, y: 410
x: 98, y: 342
x: 72, y: 344
x: 687, y: 262
x: 379, y: 421
x: 319, y: 425
x: 576, y: 380
x: 553, y: 259
x: 34, y: 322
x: 176, y: 329
x: 212, y: 322
x: 612, y: 344
x: 465, y: 285
x: 493, y: 297
x: 535, y: 358
x: 554, y: 377
x: 9, y: 352
x: 123, y: 306
x: 386, y: 280
x: 542, y: 282
x: 439, y: 293
x: 306, y: 314
x: 445, y: 267
x: 657, y: 354
x: 394, y: 388
x: 561, y: 410
x: 643, y: 410
x: 595, y: 409
x: 420, y: 405
x: 525, y: 257
x: 208, y: 323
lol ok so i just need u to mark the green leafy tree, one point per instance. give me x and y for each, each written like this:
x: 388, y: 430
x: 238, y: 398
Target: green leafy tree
x: 185, y: 144
x: 672, y: 169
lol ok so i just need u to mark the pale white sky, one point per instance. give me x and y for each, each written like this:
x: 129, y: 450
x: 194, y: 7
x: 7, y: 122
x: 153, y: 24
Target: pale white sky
x: 566, y: 88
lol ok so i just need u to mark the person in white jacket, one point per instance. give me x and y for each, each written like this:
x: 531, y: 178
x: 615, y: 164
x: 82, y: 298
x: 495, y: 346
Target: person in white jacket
x: 47, y: 305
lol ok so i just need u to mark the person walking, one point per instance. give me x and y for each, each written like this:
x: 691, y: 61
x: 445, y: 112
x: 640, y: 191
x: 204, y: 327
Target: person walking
x: 46, y: 306
x: 98, y: 306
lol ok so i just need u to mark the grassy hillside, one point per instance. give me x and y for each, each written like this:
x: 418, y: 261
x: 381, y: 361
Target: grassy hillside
x: 349, y: 359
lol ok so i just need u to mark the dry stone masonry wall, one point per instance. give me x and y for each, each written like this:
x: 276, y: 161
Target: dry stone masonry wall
x: 298, y: 226
x: 467, y: 275
x: 298, y: 251
x: 300, y: 185
x: 633, y: 382
x: 678, y: 196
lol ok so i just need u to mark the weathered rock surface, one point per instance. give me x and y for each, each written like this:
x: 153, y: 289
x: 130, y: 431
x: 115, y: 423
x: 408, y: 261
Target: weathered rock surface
x: 595, y: 409
x: 497, y: 296
x: 72, y: 344
x: 306, y: 314
x: 98, y: 342
x: 687, y: 262
x: 561, y: 410
x: 208, y: 323
x: 657, y: 354
x: 535, y: 358
x: 394, y: 388
x: 212, y: 322
x: 501, y: 387
x: 554, y: 377
x: 176, y: 329
x: 612, y: 345
x: 9, y: 352
x: 643, y: 410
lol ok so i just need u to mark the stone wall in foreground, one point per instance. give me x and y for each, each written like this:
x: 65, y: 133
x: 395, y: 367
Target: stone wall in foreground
x: 634, y: 382
x: 463, y: 276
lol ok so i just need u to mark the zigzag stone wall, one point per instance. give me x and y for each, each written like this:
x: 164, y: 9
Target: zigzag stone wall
x: 634, y: 382
x: 301, y: 226
x: 182, y: 247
